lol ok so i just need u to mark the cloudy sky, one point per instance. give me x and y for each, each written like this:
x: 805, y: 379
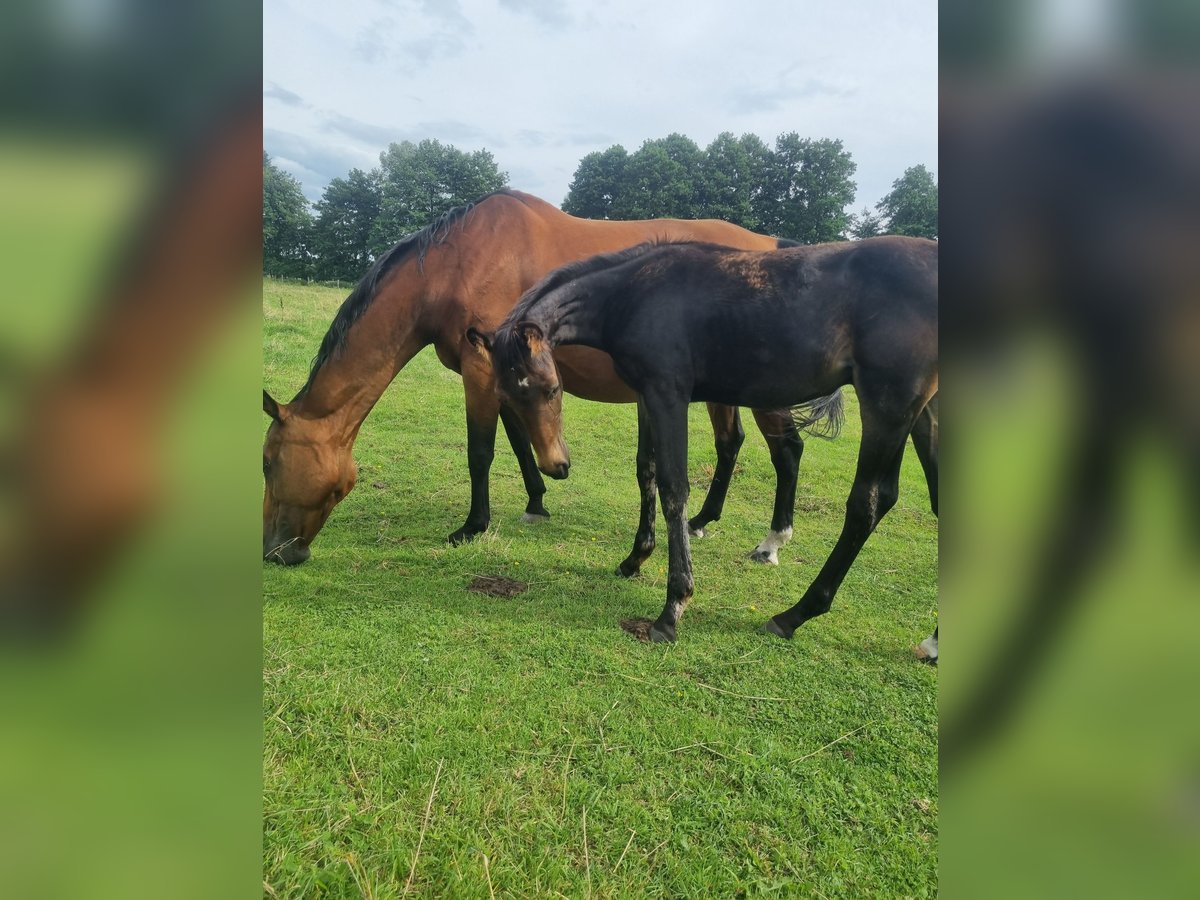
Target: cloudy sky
x: 541, y: 83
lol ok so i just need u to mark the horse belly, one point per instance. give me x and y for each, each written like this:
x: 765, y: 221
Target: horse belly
x: 589, y: 374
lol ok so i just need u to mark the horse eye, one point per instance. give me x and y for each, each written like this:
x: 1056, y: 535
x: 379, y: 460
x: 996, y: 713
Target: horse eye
x: 554, y: 391
x: 266, y: 466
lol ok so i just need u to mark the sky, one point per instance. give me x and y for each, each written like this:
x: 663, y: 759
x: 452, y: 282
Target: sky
x: 542, y: 83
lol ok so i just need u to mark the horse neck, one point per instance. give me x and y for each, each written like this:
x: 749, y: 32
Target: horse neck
x: 377, y: 346
x: 571, y: 316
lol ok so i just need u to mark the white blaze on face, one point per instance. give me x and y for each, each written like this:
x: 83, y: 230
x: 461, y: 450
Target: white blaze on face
x: 524, y: 382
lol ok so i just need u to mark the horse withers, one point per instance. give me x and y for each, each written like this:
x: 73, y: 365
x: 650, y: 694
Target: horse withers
x: 688, y: 321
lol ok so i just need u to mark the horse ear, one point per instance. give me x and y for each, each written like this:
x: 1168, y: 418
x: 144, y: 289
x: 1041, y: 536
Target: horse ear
x: 533, y: 336
x: 481, y: 340
x: 271, y: 408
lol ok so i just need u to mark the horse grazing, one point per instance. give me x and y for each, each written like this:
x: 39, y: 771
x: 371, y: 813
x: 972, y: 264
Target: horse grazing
x: 686, y: 322
x: 468, y: 269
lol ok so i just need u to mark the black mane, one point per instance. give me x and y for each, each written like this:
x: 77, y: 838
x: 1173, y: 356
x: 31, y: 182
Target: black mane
x: 364, y: 292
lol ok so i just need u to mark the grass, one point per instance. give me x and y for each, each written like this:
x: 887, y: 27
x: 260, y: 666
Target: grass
x: 423, y: 739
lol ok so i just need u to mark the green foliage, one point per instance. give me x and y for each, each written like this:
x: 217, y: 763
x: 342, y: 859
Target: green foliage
x: 287, y: 224
x: 866, y: 224
x: 346, y: 213
x: 598, y: 181
x: 798, y: 190
x: 731, y: 179
x: 911, y: 207
x: 807, y: 187
x: 422, y: 181
x: 660, y: 180
x: 730, y: 764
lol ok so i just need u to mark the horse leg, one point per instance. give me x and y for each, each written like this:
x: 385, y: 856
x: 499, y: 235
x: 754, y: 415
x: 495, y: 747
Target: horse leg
x: 1086, y: 519
x: 925, y: 442
x: 728, y: 435
x: 786, y: 446
x: 482, y: 411
x: 643, y: 542
x: 874, y: 492
x: 534, y: 486
x: 668, y: 418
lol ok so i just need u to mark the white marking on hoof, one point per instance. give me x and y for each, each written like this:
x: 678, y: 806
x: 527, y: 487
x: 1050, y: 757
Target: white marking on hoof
x: 927, y: 649
x: 534, y: 518
x: 767, y: 550
x: 695, y: 532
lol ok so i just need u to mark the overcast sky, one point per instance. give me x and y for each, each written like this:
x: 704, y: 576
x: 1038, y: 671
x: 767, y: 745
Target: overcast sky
x: 541, y: 83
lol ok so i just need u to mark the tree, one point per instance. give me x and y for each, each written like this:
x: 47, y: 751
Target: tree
x: 287, y: 224
x: 866, y: 224
x: 660, y: 180
x: 807, y: 188
x: 346, y: 214
x: 598, y: 181
x: 422, y: 181
x: 731, y: 177
x: 911, y: 207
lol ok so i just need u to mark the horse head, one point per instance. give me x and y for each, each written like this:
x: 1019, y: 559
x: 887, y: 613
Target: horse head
x: 527, y: 381
x: 308, y: 470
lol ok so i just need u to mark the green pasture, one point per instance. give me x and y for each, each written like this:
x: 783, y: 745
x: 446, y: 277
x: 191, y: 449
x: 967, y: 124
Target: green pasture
x: 423, y: 739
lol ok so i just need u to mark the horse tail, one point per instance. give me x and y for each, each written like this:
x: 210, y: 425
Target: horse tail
x: 822, y: 417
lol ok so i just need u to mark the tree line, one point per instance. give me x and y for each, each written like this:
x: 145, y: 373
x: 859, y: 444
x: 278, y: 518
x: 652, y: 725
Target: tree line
x: 799, y: 189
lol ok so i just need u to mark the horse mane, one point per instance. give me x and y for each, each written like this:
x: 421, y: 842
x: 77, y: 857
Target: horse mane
x: 360, y: 299
x: 573, y: 270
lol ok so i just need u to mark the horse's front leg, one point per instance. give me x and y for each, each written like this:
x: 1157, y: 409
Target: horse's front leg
x: 483, y: 409
x: 534, y: 486
x: 643, y: 541
x: 668, y: 422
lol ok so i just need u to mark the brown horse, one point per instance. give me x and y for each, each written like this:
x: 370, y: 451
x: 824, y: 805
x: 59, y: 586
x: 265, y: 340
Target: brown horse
x: 467, y: 270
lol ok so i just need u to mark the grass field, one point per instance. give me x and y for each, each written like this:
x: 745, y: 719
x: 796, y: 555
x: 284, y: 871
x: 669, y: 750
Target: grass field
x: 422, y: 738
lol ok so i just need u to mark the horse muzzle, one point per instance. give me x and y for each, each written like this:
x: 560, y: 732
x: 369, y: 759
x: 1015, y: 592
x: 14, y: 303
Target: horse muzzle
x: 287, y: 552
x: 557, y: 471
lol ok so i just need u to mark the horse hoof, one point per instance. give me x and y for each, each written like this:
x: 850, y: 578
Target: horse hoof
x: 646, y: 631
x: 766, y: 557
x: 534, y: 518
x: 696, y: 532
x: 464, y: 535
x: 926, y: 651
x: 629, y: 570
x: 773, y: 627
x: 660, y: 637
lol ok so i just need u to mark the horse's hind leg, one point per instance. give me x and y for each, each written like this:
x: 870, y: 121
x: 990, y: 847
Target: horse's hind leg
x: 786, y: 446
x: 534, y: 486
x: 728, y: 435
x: 925, y: 441
x: 875, y: 490
x: 643, y: 542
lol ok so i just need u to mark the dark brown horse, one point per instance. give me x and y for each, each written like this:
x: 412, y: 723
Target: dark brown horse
x: 686, y: 322
x: 468, y: 269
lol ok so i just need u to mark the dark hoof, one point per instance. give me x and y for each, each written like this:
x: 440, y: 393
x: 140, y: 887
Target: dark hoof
x: 773, y: 627
x: 463, y: 535
x: 629, y: 569
x: 765, y: 557
x: 646, y: 631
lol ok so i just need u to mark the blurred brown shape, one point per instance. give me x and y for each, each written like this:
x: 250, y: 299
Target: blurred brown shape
x: 83, y: 472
